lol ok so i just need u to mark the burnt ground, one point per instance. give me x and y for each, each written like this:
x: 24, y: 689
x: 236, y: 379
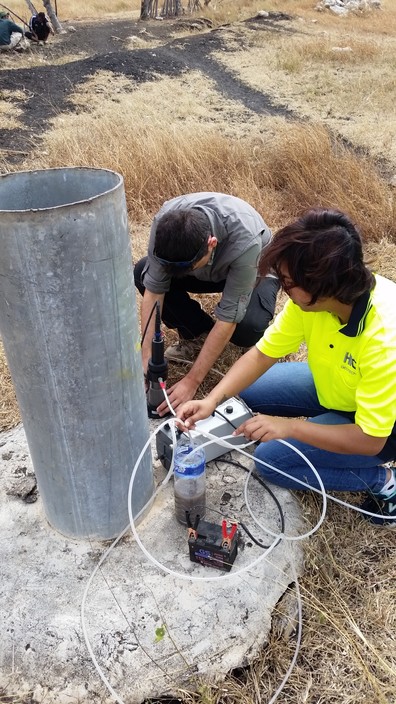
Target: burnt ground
x: 47, y: 86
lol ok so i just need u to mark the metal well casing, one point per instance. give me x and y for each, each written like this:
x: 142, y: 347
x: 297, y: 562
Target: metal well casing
x: 69, y: 326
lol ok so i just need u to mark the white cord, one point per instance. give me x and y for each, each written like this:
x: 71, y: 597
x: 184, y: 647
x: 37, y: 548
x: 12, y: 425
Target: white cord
x: 163, y: 567
x: 299, y: 637
x: 295, y: 479
x: 104, y: 558
x: 277, y: 537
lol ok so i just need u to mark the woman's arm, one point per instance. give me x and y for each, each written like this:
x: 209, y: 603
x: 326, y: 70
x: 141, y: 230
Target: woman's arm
x: 348, y: 439
x: 243, y: 373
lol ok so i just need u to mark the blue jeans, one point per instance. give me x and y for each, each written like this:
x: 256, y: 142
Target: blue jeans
x: 288, y: 390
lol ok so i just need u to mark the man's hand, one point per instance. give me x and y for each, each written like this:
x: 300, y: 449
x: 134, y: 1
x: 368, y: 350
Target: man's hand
x: 178, y: 394
x: 265, y: 428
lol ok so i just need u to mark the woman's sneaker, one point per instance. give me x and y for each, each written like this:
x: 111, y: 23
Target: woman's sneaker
x: 385, y: 507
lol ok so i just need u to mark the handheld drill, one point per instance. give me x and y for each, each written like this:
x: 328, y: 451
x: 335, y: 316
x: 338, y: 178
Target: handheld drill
x: 157, y: 368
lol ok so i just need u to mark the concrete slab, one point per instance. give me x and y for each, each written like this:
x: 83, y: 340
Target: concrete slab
x: 151, y: 632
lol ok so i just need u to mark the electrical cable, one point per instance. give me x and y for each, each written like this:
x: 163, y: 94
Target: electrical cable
x: 148, y: 323
x: 251, y: 536
x: 96, y: 569
x: 261, y: 481
x: 239, y: 448
x: 278, y: 537
x: 243, y: 526
x: 299, y: 637
x: 224, y: 417
x: 152, y: 559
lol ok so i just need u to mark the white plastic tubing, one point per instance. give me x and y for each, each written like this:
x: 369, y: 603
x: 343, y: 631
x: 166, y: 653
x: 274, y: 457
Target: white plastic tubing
x: 277, y: 537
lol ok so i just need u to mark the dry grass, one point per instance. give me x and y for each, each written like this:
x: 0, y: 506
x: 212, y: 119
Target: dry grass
x: 37, y: 56
x: 194, y: 101
x: 9, y: 412
x: 9, y: 110
x: 297, y: 167
x: 76, y: 10
x: 339, y: 73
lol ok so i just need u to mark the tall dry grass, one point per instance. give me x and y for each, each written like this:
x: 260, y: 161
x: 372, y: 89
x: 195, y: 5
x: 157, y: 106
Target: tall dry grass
x: 301, y: 166
x: 75, y: 9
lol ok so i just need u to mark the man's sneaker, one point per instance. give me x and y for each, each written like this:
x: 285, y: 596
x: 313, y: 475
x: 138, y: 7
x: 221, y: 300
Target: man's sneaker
x: 185, y: 350
x: 385, y: 507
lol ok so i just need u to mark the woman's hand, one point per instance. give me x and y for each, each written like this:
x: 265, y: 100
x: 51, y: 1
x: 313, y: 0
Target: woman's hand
x: 264, y: 428
x: 192, y: 411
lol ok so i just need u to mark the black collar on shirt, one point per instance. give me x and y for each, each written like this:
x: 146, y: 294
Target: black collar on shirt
x: 356, y: 322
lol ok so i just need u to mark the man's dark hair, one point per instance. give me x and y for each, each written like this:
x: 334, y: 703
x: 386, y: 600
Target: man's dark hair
x: 182, y: 237
x: 323, y: 253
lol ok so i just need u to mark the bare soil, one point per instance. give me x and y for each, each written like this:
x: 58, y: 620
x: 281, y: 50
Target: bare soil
x: 173, y: 47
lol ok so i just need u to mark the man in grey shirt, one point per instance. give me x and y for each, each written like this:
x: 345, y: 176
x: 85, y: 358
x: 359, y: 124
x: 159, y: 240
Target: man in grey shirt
x: 205, y: 243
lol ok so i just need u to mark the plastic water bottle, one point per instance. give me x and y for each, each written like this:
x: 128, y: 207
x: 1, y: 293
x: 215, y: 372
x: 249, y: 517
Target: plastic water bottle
x: 189, y: 480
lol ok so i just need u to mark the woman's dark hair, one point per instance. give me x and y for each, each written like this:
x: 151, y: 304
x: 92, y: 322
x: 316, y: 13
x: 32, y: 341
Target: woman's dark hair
x: 322, y: 251
x: 181, y: 239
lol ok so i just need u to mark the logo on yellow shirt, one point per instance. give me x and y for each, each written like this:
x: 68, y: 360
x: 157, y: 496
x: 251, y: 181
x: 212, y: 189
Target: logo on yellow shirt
x: 348, y: 359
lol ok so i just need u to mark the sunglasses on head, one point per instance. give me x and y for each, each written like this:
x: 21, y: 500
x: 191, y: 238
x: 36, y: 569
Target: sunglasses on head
x: 184, y: 265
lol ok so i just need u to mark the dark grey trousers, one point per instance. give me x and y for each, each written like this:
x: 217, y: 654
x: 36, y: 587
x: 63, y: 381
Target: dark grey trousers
x: 187, y: 316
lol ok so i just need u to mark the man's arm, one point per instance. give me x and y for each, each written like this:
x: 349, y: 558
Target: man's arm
x: 243, y: 373
x: 212, y: 348
x: 148, y: 302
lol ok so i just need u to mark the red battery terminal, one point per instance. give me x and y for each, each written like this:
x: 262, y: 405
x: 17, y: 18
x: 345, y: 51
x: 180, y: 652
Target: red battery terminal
x: 227, y: 536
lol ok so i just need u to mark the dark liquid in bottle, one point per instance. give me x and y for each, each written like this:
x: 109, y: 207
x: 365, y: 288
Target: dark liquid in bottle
x: 195, y: 505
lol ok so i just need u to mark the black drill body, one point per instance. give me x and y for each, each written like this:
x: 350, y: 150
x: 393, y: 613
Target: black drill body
x: 157, y: 369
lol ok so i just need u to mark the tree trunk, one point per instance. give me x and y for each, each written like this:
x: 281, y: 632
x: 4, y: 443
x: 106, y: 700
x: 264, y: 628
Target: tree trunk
x: 58, y: 29
x: 31, y: 7
x: 170, y: 8
x: 145, y: 9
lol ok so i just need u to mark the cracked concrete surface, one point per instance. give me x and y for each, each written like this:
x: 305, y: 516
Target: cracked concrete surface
x: 151, y: 632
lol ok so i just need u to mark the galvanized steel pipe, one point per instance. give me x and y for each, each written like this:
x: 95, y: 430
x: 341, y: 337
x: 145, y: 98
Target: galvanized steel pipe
x: 68, y: 321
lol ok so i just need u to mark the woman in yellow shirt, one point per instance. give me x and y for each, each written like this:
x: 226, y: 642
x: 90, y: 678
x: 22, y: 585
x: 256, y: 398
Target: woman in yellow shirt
x: 346, y: 390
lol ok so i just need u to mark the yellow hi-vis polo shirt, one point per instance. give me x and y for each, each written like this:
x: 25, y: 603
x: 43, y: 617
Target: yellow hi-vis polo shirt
x: 353, y: 365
